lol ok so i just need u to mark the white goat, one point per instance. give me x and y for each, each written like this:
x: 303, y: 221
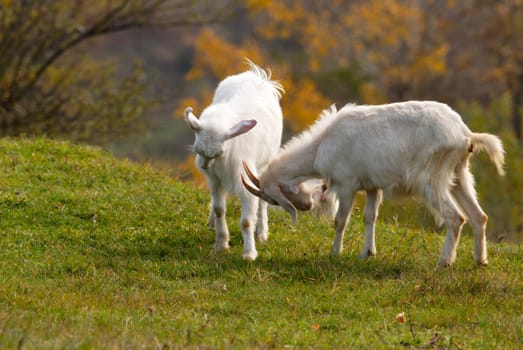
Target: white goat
x: 417, y: 148
x: 240, y: 103
x: 324, y: 203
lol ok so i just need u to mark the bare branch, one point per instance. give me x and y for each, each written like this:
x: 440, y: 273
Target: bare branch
x: 35, y: 34
x: 41, y: 51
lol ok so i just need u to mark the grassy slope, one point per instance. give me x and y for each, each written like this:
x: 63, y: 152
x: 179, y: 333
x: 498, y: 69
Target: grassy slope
x: 100, y: 253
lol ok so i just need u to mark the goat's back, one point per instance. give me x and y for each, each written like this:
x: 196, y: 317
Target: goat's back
x: 249, y: 84
x: 397, y: 147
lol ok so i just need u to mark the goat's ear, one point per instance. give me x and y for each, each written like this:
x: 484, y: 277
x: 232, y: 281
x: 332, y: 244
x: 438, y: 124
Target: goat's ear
x: 241, y: 128
x: 191, y: 119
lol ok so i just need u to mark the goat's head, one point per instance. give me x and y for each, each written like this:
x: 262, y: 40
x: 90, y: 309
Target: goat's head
x: 289, y: 197
x: 209, y: 141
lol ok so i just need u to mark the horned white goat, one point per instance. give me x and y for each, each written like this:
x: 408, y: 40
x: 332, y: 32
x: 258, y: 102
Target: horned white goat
x: 419, y: 148
x: 223, y: 138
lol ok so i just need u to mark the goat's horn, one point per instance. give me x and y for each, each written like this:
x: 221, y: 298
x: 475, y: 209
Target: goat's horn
x: 251, y: 189
x: 257, y: 192
x: 187, y: 111
x: 251, y: 176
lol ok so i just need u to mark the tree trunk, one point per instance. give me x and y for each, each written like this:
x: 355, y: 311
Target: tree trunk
x: 516, y: 113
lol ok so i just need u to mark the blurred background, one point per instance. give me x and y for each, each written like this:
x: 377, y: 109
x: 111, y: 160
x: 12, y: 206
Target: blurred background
x: 119, y: 73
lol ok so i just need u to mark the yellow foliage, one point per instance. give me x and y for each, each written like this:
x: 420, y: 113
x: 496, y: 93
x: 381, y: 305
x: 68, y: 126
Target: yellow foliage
x: 371, y: 94
x: 184, y: 103
x: 398, y: 44
x: 303, y: 104
x: 386, y: 24
x: 187, y: 170
x: 317, y: 29
x: 215, y: 58
x: 258, y: 5
x: 197, y: 103
x: 384, y: 35
x: 280, y: 15
x: 434, y: 61
x: 218, y: 58
x: 322, y: 41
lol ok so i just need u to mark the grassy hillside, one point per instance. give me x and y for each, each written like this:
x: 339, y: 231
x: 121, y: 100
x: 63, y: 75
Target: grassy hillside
x: 101, y: 253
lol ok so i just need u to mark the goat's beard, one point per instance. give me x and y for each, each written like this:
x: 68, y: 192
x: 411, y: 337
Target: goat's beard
x: 203, y: 162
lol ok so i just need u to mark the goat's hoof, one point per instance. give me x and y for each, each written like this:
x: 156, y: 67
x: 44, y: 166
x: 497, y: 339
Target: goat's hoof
x: 262, y: 238
x: 444, y: 263
x: 366, y: 254
x: 250, y: 256
x: 482, y: 262
x: 335, y: 253
x: 219, y: 247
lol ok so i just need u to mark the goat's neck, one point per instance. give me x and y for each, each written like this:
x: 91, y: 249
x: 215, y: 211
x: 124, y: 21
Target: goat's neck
x: 297, y: 165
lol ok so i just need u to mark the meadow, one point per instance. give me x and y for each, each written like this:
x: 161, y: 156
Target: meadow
x: 102, y: 253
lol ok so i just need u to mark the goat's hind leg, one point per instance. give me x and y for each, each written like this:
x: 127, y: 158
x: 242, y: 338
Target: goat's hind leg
x: 370, y: 215
x: 442, y: 204
x: 454, y: 221
x: 465, y: 195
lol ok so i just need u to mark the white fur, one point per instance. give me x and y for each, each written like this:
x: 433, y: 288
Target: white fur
x: 419, y: 148
x: 324, y: 203
x: 243, y: 122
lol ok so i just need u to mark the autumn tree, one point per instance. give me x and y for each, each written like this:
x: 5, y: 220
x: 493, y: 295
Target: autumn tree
x: 501, y: 34
x: 484, y: 49
x: 334, y: 51
x: 48, y: 87
x: 295, y: 53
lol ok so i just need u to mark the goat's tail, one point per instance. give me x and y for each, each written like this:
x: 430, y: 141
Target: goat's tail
x: 492, y: 145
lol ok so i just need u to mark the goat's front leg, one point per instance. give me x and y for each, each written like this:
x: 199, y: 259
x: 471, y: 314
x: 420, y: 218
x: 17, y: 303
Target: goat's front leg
x: 370, y: 215
x: 212, y: 218
x: 247, y: 224
x: 218, y: 209
x: 346, y: 199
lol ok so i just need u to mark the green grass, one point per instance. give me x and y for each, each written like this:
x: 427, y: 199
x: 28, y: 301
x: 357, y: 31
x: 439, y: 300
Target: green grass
x: 102, y: 253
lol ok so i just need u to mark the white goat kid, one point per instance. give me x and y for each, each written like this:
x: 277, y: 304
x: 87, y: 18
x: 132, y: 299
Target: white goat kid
x: 223, y: 138
x: 324, y: 203
x: 419, y: 148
